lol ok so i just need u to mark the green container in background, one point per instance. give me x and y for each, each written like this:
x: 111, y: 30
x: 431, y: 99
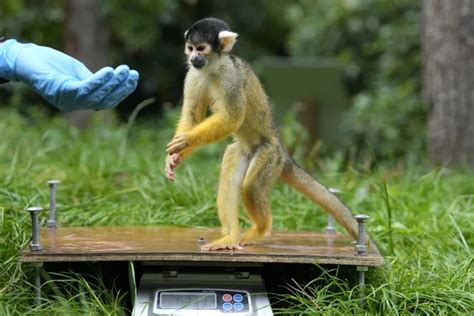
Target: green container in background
x: 313, y: 86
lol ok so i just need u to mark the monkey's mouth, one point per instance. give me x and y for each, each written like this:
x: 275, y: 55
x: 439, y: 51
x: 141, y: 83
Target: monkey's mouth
x: 198, y: 62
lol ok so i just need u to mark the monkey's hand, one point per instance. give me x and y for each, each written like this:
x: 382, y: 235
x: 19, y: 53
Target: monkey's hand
x: 172, y: 161
x: 177, y: 144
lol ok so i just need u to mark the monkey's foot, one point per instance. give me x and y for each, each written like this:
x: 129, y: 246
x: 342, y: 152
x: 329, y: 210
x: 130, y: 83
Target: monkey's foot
x: 251, y: 236
x: 225, y: 243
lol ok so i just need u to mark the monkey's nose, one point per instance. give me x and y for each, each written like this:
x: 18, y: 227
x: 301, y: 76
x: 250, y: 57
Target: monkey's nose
x: 198, y: 62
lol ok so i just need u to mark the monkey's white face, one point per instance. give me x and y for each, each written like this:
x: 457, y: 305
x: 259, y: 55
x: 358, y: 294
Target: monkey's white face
x: 198, y: 54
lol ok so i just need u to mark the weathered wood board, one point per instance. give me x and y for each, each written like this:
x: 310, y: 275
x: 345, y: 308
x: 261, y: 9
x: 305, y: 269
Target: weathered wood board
x: 181, y: 244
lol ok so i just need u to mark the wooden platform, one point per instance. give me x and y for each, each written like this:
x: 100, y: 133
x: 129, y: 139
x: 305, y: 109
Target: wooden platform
x: 181, y: 244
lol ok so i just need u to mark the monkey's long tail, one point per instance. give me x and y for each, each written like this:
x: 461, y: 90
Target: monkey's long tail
x: 302, y: 181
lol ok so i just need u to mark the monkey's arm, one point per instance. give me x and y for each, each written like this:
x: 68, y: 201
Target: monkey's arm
x: 180, y: 130
x: 192, y: 114
x: 212, y: 129
x: 185, y: 123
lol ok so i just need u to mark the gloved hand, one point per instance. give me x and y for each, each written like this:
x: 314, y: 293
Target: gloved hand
x: 64, y: 81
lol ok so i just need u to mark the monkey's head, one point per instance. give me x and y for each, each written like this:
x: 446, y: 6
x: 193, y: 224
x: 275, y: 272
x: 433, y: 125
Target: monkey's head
x: 207, y: 39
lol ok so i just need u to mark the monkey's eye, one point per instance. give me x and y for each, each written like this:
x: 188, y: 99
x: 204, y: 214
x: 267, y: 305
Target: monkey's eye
x: 190, y: 48
x: 200, y: 48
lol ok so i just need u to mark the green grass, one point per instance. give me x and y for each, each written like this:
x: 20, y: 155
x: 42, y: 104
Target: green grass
x: 421, y: 219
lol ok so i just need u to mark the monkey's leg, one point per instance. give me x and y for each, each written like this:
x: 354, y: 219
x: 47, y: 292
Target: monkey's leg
x: 265, y: 167
x: 233, y: 168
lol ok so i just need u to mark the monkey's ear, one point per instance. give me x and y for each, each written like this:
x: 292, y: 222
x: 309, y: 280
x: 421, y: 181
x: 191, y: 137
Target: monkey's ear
x: 186, y: 33
x: 227, y: 40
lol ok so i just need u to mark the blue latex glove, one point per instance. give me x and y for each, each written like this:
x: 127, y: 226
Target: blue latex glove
x: 64, y: 81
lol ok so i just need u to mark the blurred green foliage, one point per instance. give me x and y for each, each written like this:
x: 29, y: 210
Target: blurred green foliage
x: 378, y: 44
x: 35, y: 21
x: 376, y: 41
x: 148, y: 34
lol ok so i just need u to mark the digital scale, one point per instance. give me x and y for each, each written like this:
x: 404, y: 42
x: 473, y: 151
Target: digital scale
x: 201, y: 294
x: 176, y: 277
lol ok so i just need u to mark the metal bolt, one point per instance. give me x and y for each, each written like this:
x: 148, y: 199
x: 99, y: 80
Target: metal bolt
x: 361, y: 246
x: 330, y: 228
x: 38, y: 266
x: 35, y: 244
x: 201, y: 241
x: 362, y: 270
x: 53, y: 184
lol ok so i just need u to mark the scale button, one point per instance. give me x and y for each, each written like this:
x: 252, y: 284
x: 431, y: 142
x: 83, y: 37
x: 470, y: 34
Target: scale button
x: 238, y: 306
x: 227, y: 297
x: 227, y: 306
x: 238, y: 297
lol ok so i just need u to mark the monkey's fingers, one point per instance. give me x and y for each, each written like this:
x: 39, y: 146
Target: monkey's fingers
x: 178, y: 138
x: 175, y: 148
x: 178, y: 143
x: 169, y: 172
x: 172, y: 146
x: 170, y: 175
x: 175, y: 160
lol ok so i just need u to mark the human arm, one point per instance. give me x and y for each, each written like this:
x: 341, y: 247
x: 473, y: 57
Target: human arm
x: 64, y: 81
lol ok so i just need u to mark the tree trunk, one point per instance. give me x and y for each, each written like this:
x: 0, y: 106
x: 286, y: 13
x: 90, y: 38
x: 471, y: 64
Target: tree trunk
x: 86, y: 38
x: 448, y: 44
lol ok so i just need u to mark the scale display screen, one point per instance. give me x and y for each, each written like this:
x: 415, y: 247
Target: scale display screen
x: 225, y: 301
x: 188, y: 300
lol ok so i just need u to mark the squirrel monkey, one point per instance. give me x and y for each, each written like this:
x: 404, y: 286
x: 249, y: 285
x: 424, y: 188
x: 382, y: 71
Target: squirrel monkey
x: 227, y: 86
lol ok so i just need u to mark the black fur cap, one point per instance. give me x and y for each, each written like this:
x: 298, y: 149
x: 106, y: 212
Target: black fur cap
x: 206, y: 30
